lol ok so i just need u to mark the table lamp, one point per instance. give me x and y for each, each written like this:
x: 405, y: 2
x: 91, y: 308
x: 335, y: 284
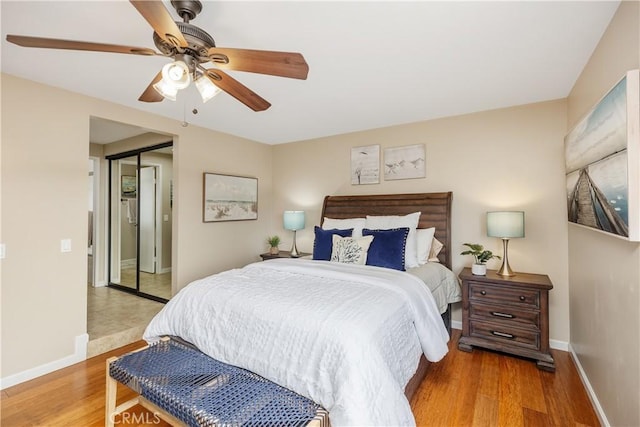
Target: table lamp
x: 505, y: 225
x: 294, y: 221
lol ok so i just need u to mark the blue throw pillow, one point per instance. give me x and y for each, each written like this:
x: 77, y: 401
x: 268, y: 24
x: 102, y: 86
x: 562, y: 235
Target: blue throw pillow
x: 323, y: 242
x: 388, y: 247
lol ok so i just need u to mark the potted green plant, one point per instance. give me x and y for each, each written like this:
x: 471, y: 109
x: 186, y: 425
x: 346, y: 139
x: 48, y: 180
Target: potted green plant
x: 273, y: 242
x: 480, y: 256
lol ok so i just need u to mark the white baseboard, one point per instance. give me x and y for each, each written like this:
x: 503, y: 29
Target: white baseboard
x: 79, y: 355
x: 590, y: 392
x: 165, y: 270
x: 456, y: 324
x: 559, y: 345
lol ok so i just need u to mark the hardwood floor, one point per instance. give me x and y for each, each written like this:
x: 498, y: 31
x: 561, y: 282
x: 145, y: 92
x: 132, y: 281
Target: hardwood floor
x: 485, y: 388
x: 464, y: 389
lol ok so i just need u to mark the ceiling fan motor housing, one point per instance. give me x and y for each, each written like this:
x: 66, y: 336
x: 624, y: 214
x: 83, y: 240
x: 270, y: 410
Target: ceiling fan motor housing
x: 199, y: 43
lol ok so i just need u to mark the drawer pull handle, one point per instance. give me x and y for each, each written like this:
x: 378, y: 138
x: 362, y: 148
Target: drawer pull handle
x: 503, y: 335
x: 522, y: 298
x: 483, y: 292
x: 505, y: 315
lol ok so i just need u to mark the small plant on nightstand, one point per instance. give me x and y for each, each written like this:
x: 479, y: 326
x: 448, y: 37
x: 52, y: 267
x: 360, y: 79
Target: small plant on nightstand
x: 273, y: 242
x: 481, y: 256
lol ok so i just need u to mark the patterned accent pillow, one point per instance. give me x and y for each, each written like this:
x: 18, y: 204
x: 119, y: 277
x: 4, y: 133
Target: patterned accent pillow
x: 350, y: 250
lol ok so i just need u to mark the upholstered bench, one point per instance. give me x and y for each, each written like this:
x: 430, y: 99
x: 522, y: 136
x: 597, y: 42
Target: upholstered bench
x: 184, y: 386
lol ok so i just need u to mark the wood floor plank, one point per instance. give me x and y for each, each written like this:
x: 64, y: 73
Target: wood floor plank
x: 534, y: 418
x: 481, y: 388
x: 510, y: 400
x: 531, y: 391
x: 485, y: 411
x: 490, y: 375
x: 579, y: 403
x: 466, y: 394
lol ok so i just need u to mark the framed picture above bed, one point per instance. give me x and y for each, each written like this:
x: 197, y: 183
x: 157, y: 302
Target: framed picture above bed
x: 602, y: 158
x: 229, y: 198
x: 365, y: 165
x: 404, y: 162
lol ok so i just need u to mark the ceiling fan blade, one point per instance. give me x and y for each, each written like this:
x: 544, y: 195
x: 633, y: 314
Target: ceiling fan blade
x: 282, y: 64
x: 161, y: 21
x: 237, y: 90
x: 150, y: 94
x: 27, y: 41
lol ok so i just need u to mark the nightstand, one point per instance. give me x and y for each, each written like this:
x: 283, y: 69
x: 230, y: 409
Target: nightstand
x: 281, y: 254
x: 507, y: 314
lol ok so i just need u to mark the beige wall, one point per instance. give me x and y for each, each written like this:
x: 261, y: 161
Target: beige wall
x: 45, y: 147
x: 604, y: 271
x: 504, y: 159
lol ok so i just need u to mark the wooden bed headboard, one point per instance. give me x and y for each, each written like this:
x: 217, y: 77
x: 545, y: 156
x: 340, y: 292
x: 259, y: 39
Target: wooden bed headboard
x: 435, y: 211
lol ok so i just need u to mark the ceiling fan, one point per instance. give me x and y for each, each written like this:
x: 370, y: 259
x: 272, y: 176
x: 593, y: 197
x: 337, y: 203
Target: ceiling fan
x: 190, y: 47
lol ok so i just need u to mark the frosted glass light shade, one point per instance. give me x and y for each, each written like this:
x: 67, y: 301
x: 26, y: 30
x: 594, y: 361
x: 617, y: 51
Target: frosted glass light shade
x: 166, y: 89
x: 505, y: 224
x: 293, y: 220
x: 176, y: 74
x: 206, y: 88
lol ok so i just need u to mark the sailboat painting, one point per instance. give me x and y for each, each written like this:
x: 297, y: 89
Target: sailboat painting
x: 602, y: 157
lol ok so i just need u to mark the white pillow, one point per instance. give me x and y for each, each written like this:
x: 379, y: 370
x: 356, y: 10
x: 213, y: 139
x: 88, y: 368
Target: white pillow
x: 385, y: 222
x: 344, y: 224
x: 436, y: 247
x: 350, y: 250
x: 424, y: 237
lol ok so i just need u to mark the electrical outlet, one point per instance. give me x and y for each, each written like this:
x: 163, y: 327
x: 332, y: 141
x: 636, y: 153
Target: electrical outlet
x: 3, y: 251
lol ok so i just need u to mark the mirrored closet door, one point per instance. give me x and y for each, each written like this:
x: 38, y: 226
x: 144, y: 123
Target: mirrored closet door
x: 140, y: 199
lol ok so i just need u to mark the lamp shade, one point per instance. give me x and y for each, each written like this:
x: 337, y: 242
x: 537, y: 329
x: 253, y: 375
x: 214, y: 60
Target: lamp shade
x: 293, y: 220
x: 177, y: 74
x: 206, y: 88
x: 166, y: 89
x: 505, y: 224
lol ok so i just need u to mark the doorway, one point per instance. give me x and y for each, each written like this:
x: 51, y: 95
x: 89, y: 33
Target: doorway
x: 94, y: 173
x: 140, y: 221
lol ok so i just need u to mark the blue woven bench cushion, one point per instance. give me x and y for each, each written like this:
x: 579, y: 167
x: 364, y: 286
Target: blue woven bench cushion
x: 202, y: 391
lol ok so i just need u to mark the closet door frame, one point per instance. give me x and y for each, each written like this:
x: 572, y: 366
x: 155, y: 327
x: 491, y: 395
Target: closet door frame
x: 111, y: 158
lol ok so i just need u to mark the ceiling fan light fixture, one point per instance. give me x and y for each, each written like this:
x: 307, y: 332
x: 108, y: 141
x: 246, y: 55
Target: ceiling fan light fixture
x: 176, y: 74
x: 166, y: 89
x: 206, y: 88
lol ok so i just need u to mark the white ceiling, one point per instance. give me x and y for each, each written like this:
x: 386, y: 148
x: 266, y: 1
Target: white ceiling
x: 372, y: 64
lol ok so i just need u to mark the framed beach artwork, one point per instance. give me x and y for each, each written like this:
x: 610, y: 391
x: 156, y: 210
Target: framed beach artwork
x: 229, y: 198
x: 404, y: 162
x: 128, y: 186
x: 365, y: 165
x: 602, y: 157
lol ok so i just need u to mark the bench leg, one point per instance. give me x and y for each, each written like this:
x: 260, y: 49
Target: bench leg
x: 110, y: 397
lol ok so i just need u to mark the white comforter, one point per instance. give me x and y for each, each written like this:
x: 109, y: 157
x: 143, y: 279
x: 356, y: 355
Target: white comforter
x: 349, y: 337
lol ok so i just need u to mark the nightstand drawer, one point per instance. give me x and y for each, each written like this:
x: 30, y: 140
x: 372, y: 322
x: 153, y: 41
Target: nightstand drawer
x: 500, y: 333
x: 492, y: 294
x: 505, y: 315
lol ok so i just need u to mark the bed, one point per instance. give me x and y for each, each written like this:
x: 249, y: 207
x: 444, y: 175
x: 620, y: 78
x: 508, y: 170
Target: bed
x: 355, y: 339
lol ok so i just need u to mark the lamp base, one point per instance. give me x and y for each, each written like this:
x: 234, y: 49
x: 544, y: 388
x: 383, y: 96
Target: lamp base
x: 294, y: 249
x: 505, y: 269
